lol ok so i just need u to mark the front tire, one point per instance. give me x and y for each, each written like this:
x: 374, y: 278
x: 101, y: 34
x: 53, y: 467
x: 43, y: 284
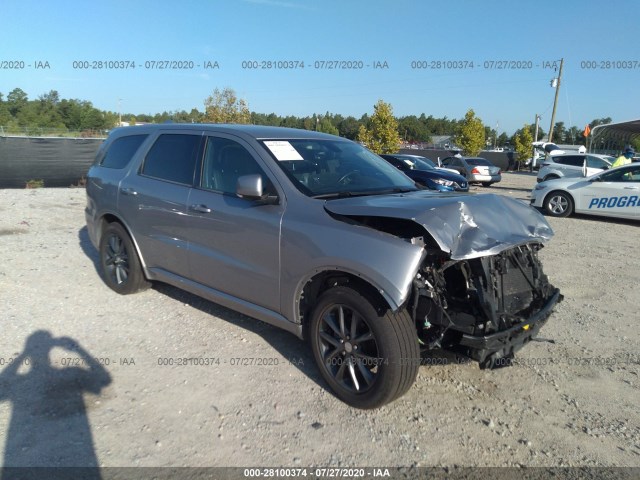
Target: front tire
x: 121, y: 268
x: 558, y: 204
x: 368, y: 358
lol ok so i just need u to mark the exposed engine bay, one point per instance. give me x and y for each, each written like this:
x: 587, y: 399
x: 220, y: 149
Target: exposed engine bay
x: 485, y: 308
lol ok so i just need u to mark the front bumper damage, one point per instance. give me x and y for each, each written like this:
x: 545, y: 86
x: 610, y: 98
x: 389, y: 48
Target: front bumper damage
x: 499, y: 348
x: 484, y: 308
x: 480, y: 289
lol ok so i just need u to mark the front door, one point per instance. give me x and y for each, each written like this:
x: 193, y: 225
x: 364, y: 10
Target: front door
x: 234, y: 243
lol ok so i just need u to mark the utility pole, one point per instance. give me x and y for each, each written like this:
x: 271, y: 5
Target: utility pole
x: 555, y: 101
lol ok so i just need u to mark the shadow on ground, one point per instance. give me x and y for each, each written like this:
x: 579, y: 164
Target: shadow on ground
x: 49, y: 425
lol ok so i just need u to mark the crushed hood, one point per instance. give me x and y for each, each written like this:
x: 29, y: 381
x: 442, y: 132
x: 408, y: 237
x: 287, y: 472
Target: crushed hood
x: 465, y: 226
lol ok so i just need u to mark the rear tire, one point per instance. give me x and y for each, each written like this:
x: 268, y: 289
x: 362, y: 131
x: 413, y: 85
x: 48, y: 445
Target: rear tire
x: 368, y: 358
x: 558, y: 204
x: 121, y: 268
x: 486, y: 184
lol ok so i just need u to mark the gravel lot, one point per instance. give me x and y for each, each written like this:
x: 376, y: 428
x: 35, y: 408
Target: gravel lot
x: 569, y: 401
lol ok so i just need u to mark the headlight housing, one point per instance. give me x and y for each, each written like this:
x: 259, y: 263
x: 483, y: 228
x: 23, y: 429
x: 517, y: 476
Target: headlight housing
x: 442, y: 181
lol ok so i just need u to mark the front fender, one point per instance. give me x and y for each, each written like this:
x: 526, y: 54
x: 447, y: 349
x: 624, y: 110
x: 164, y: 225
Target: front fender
x: 387, y: 263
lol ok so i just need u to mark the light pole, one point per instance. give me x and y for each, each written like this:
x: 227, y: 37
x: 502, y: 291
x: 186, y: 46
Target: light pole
x: 555, y: 83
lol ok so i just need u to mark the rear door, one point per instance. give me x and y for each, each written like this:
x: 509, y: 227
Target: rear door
x: 456, y: 164
x: 153, y: 199
x: 570, y: 165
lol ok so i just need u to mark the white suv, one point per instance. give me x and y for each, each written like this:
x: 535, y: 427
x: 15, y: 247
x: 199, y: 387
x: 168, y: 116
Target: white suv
x: 570, y: 164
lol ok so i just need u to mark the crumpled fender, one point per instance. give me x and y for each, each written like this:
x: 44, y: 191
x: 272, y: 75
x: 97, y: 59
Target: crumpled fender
x: 463, y: 225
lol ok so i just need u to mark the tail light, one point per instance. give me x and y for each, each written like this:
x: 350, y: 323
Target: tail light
x: 475, y: 171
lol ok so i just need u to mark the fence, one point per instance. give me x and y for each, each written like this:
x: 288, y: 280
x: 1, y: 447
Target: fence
x: 50, y: 132
x: 58, y: 161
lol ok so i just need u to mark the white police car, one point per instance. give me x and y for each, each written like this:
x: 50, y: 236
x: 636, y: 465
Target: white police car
x: 611, y: 193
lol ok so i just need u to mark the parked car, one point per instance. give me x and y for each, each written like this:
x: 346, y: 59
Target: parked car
x: 475, y: 169
x: 422, y: 160
x: 423, y: 171
x: 315, y: 234
x: 611, y: 193
x: 572, y: 165
x: 533, y: 163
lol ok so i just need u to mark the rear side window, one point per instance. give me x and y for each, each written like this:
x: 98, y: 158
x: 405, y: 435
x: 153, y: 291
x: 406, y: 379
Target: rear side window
x: 122, y: 150
x: 173, y: 158
x: 573, y: 160
x: 397, y: 163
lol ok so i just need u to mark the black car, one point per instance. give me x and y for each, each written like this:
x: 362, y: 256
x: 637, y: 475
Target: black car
x: 424, y: 171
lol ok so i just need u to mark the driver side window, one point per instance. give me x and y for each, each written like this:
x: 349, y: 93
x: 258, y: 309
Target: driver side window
x: 224, y: 162
x: 622, y: 176
x: 595, y: 162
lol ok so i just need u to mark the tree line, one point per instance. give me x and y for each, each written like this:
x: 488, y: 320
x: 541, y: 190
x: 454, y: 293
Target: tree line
x: 49, y: 111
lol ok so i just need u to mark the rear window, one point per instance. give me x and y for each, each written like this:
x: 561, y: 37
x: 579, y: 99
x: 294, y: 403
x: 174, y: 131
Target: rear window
x: 173, y: 158
x: 479, y: 162
x: 122, y: 150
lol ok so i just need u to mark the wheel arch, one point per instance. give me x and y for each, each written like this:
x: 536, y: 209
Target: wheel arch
x: 107, y: 219
x: 314, y: 286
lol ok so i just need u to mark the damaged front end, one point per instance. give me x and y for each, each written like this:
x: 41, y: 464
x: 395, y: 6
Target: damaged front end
x: 485, y: 308
x: 480, y: 289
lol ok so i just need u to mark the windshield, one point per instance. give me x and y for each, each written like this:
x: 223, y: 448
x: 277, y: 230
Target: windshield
x: 324, y: 168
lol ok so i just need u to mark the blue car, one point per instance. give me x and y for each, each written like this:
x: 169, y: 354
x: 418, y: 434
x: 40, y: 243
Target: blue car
x: 423, y: 171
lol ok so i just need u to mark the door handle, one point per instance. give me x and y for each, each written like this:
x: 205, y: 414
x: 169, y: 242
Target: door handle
x: 128, y: 191
x: 631, y: 188
x: 200, y: 208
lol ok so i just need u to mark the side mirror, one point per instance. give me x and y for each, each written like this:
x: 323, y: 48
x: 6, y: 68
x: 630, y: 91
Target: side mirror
x: 250, y: 187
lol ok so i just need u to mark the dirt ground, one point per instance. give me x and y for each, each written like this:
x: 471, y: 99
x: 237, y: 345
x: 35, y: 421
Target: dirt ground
x: 111, y: 388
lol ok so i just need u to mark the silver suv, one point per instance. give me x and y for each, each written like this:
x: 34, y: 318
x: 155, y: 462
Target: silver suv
x: 568, y: 165
x: 315, y: 234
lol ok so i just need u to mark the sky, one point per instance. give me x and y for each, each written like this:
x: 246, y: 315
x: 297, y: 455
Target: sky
x: 437, y: 57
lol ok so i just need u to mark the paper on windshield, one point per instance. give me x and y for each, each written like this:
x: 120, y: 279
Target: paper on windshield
x: 283, y: 150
